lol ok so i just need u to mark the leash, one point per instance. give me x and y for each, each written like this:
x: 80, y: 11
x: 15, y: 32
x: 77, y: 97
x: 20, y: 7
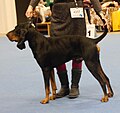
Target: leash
x: 30, y: 21
x: 76, y: 3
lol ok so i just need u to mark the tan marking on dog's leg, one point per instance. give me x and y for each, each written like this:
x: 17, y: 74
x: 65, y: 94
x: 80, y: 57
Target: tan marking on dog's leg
x: 53, y: 84
x: 105, y: 99
x: 46, y: 99
x: 102, y: 75
x: 98, y: 48
x: 110, y: 92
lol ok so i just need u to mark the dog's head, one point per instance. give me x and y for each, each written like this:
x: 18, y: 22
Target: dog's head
x: 19, y: 34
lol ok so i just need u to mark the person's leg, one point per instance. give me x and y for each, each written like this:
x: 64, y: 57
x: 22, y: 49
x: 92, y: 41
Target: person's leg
x: 63, y: 77
x: 76, y: 75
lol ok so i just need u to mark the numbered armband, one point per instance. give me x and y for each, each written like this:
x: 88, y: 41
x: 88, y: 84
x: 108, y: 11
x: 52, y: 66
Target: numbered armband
x: 90, y: 30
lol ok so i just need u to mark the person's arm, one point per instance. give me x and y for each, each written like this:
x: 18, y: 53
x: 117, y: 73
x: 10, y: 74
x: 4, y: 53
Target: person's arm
x: 34, y: 3
x: 29, y: 12
x: 96, y: 5
x: 98, y: 9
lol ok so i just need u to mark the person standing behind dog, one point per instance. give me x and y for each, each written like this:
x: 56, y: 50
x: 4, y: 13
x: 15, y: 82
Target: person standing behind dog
x: 65, y: 22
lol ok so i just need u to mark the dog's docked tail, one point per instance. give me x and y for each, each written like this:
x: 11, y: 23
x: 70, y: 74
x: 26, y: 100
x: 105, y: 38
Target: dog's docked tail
x: 101, y: 36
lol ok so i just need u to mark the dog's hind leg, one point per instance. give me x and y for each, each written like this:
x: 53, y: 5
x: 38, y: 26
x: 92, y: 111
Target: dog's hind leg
x: 110, y: 91
x: 46, y: 75
x: 95, y: 68
x: 53, y: 84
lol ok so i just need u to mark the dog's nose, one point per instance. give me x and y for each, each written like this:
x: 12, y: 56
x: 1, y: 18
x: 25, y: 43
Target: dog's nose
x: 7, y: 34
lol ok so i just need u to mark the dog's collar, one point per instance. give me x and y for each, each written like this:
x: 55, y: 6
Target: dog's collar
x: 30, y: 20
x: 32, y: 25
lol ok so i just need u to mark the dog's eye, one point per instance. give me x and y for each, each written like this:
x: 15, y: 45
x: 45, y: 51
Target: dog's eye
x: 20, y: 31
x: 23, y: 31
x: 17, y: 32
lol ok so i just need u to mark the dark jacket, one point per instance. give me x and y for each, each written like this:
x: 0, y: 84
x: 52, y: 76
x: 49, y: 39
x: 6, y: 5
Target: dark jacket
x: 96, y: 4
x: 63, y: 24
x: 61, y: 21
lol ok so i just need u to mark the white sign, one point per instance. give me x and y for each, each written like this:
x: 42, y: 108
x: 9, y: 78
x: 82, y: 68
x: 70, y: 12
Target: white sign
x: 77, y: 12
x: 90, y: 32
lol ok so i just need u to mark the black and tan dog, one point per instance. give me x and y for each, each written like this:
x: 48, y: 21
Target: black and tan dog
x: 54, y: 51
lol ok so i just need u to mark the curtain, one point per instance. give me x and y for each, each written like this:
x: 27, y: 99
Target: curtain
x: 8, y: 18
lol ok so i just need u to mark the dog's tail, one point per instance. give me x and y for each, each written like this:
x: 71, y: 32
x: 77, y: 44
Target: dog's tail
x: 101, y: 36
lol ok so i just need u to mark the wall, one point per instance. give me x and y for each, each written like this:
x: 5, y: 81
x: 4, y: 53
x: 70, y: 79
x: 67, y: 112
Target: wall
x: 7, y: 15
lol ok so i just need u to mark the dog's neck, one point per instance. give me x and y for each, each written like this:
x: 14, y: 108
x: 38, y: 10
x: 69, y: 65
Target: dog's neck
x: 33, y: 34
x: 34, y: 37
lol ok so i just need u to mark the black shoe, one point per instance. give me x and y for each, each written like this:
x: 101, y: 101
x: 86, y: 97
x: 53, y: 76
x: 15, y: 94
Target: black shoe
x: 74, y: 93
x: 63, y: 92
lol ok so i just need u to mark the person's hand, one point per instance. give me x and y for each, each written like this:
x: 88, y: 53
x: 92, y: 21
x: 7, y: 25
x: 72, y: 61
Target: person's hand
x: 29, y: 12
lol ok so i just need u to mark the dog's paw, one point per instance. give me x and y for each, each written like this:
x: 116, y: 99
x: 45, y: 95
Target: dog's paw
x: 45, y: 101
x: 104, y: 99
x: 53, y: 97
x: 110, y: 95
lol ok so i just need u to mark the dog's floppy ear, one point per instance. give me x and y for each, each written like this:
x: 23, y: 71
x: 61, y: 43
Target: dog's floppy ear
x: 21, y: 43
x: 22, y: 34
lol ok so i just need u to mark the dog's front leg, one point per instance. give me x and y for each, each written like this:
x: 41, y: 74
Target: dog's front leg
x: 46, y: 75
x: 53, y: 84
